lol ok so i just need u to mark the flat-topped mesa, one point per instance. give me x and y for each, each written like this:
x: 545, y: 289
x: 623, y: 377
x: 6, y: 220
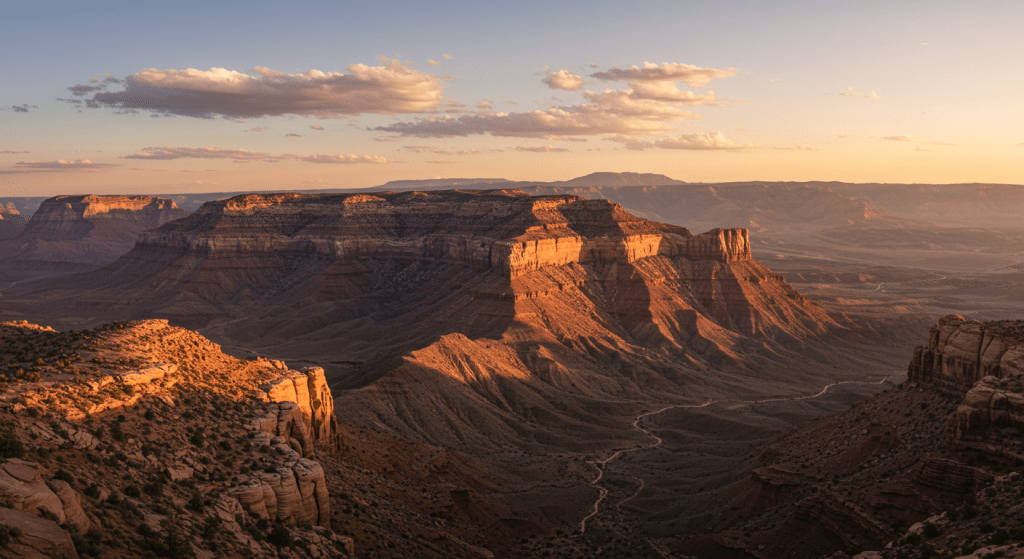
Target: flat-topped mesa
x: 74, y: 217
x: 961, y: 352
x: 506, y: 231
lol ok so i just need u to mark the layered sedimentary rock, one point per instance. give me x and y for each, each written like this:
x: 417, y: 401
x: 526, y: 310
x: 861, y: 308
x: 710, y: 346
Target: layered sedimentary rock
x: 990, y: 417
x: 85, y: 230
x: 505, y: 231
x: 961, y: 352
x: 308, y: 390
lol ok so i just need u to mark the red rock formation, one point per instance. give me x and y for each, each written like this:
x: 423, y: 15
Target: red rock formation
x: 961, y: 352
x: 90, y: 230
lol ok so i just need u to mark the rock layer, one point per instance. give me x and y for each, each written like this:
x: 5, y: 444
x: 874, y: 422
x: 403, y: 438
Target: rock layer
x: 961, y: 352
x: 86, y: 230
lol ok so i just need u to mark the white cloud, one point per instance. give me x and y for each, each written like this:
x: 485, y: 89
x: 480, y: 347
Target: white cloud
x: 166, y: 153
x: 391, y: 88
x: 564, y: 79
x: 433, y: 62
x: 668, y: 92
x: 542, y: 149
x: 694, y: 76
x: 448, y: 57
x: 851, y: 93
x: 612, y: 112
x: 56, y: 166
x: 440, y: 151
x: 691, y: 141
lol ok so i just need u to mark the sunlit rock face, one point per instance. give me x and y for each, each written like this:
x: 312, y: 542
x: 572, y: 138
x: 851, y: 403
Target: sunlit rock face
x: 86, y: 230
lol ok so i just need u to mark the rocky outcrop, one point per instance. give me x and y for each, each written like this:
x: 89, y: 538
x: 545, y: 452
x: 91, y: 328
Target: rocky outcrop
x: 950, y: 475
x: 314, y: 420
x: 989, y: 418
x: 961, y: 352
x: 85, y: 230
x: 22, y: 488
x: 40, y: 538
x: 295, y: 492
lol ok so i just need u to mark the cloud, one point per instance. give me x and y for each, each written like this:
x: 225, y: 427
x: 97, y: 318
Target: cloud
x: 448, y: 57
x: 23, y: 108
x: 167, y: 153
x: 612, y: 112
x: 433, y: 62
x: 294, y: 135
x: 485, y: 105
x: 542, y: 149
x: 851, y: 93
x: 336, y: 159
x: 668, y: 92
x: 440, y: 151
x: 389, y: 89
x: 315, y: 127
x: 564, y: 79
x: 919, y: 148
x: 898, y: 138
x: 694, y: 76
x: 692, y: 141
x: 56, y: 166
x: 440, y: 161
x: 11, y: 151
x: 257, y: 129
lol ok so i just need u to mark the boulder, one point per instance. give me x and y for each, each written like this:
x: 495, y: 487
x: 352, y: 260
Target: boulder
x: 72, y: 505
x: 21, y: 488
x: 41, y: 538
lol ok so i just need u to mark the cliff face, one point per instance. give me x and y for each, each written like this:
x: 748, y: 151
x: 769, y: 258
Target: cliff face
x: 90, y: 230
x: 961, y: 352
x: 504, y: 231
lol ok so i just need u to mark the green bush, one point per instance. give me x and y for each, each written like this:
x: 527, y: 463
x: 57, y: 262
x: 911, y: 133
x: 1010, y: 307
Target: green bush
x: 10, y: 445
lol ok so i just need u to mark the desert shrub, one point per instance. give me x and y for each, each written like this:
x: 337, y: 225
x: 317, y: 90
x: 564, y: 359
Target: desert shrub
x: 64, y: 476
x: 10, y: 445
x: 280, y: 536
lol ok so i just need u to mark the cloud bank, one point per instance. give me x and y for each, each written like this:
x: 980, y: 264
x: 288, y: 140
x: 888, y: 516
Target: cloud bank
x: 692, y: 141
x: 168, y: 153
x: 56, y: 166
x: 389, y: 89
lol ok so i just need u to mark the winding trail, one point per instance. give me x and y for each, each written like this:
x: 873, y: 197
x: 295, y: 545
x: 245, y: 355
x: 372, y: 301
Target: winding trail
x: 600, y: 465
x: 10, y: 286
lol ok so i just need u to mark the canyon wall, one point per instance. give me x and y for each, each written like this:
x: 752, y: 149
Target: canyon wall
x: 961, y: 352
x: 85, y: 230
x: 505, y: 231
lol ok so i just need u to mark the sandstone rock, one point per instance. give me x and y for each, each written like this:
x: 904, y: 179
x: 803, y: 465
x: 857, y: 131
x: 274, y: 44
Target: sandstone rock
x: 988, y: 410
x: 41, y: 539
x: 961, y: 352
x: 22, y: 488
x: 149, y: 374
x: 178, y: 473
x: 89, y: 230
x: 72, y: 505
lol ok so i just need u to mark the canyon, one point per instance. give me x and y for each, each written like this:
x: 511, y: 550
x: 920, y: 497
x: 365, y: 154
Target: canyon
x: 570, y: 377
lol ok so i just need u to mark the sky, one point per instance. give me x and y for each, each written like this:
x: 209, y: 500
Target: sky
x: 128, y: 97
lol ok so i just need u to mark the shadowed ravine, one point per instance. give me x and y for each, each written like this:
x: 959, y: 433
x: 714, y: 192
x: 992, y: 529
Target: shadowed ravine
x: 601, y: 465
